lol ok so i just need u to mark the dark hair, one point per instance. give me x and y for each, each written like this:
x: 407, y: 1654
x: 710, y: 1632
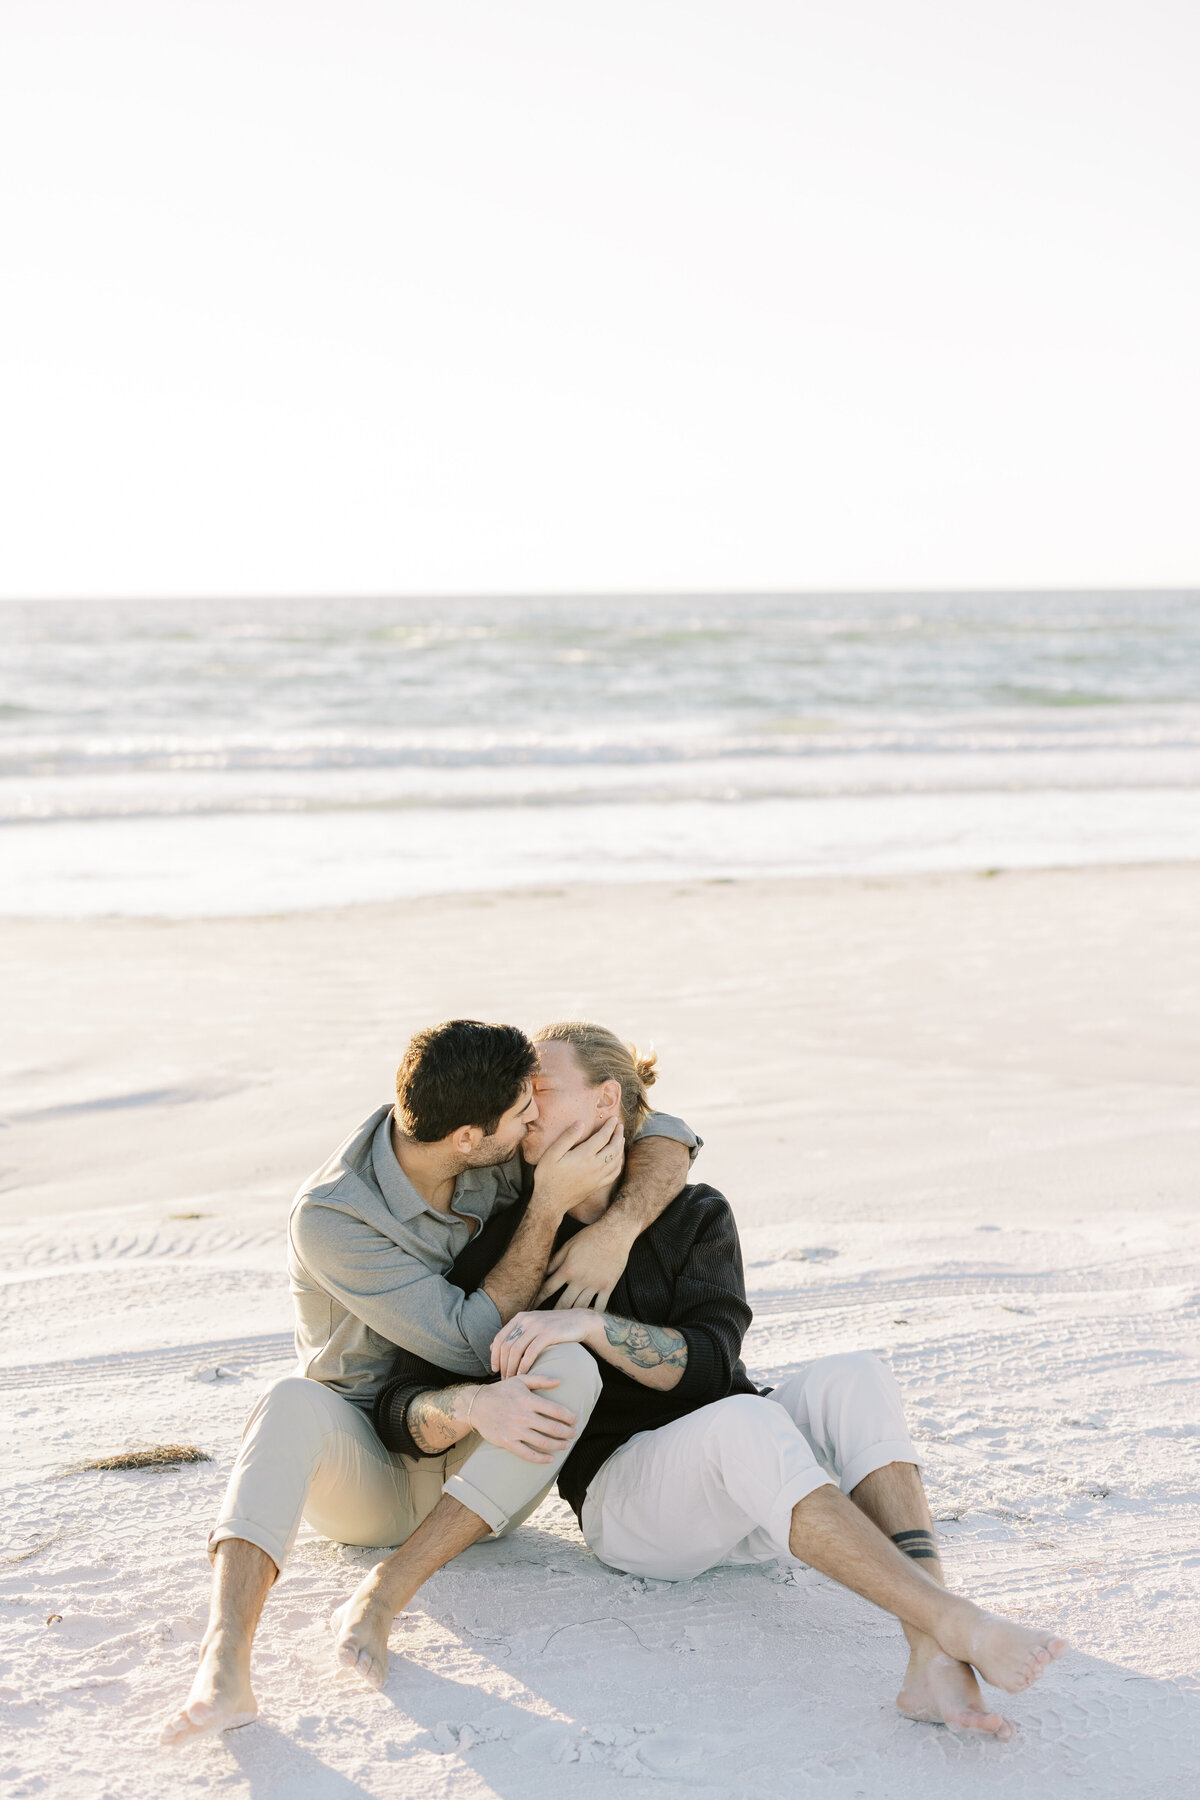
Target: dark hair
x: 461, y: 1073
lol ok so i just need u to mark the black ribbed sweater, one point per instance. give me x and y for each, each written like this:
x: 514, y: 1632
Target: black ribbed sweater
x: 685, y: 1270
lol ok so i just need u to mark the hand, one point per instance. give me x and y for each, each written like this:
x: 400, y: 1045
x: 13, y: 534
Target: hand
x: 514, y: 1416
x: 589, y: 1267
x: 571, y: 1169
x: 517, y: 1345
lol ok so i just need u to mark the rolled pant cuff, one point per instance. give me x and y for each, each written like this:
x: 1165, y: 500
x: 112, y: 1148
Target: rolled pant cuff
x: 268, y: 1542
x: 470, y: 1497
x: 877, y: 1457
x: 790, y: 1494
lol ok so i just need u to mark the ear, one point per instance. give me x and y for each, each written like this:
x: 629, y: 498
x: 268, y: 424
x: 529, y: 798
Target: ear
x: 608, y: 1100
x: 466, y: 1140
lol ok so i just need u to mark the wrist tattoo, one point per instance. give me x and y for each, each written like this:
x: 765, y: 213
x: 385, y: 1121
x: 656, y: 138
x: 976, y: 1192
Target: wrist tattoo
x: 433, y: 1415
x: 920, y: 1545
x: 647, y: 1346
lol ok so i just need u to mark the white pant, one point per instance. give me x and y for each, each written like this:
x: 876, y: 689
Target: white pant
x: 718, y: 1486
x: 309, y: 1453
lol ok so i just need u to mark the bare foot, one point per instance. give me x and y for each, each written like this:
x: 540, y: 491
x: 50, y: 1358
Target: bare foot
x: 221, y: 1697
x: 1009, y: 1656
x: 941, y: 1691
x: 361, y: 1629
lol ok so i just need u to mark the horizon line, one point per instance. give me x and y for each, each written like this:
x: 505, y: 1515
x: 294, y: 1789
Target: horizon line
x: 512, y: 596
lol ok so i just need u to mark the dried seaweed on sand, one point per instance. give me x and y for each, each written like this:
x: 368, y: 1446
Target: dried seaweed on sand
x: 153, y: 1456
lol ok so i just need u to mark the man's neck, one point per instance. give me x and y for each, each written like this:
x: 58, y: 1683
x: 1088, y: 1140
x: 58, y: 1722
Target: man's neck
x: 428, y: 1167
x: 596, y: 1205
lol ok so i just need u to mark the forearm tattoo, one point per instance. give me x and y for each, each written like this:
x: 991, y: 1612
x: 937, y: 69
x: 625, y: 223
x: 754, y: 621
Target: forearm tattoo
x: 647, y: 1346
x: 433, y: 1416
x: 920, y: 1545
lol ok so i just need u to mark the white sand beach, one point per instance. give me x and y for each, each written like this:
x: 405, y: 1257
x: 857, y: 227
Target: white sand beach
x: 957, y: 1118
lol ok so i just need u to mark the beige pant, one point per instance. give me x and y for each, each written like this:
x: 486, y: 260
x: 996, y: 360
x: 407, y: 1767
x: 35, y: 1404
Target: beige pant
x: 309, y: 1453
x: 718, y: 1486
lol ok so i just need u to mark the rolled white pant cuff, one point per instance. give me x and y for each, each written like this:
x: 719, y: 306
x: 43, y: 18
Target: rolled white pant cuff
x: 270, y: 1543
x: 779, y: 1522
x: 877, y: 1457
x: 470, y: 1497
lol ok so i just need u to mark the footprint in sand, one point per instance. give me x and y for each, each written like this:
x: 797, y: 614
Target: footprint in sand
x: 628, y: 1751
x: 449, y: 1738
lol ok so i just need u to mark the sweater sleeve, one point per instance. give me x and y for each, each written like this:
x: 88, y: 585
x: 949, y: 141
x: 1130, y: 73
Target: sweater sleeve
x: 389, y: 1415
x: 710, y: 1308
x: 411, y: 1375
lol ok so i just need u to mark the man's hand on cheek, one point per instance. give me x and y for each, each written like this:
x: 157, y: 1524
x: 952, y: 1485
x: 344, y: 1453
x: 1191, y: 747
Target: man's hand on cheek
x: 588, y: 1268
x: 572, y: 1168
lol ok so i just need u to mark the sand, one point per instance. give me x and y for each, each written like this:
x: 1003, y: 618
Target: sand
x: 957, y: 1118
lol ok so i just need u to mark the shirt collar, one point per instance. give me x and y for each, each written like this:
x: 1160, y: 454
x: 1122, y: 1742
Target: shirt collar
x: 402, y: 1197
x: 403, y: 1200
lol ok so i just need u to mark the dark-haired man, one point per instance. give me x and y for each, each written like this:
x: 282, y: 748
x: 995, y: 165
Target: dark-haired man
x: 370, y: 1240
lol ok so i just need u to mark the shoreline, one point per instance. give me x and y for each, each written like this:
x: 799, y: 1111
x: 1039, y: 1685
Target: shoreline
x: 594, y: 889
x: 245, y: 864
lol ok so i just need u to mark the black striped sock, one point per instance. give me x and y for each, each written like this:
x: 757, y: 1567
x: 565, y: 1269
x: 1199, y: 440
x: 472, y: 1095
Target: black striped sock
x: 920, y: 1545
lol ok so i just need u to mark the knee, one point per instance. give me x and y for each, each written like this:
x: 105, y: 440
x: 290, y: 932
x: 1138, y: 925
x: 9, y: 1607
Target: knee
x: 857, y: 1369
x: 858, y: 1385
x: 575, y: 1369
x: 291, y: 1402
x: 292, y: 1393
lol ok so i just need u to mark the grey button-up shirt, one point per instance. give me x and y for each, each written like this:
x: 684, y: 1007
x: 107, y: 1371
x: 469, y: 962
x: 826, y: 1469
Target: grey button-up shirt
x: 367, y: 1259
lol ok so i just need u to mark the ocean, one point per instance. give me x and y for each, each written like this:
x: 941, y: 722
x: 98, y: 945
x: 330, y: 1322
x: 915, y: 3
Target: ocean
x: 217, y: 758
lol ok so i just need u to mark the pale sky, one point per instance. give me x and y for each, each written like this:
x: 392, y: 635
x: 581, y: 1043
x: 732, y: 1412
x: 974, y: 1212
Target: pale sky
x: 470, y: 296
